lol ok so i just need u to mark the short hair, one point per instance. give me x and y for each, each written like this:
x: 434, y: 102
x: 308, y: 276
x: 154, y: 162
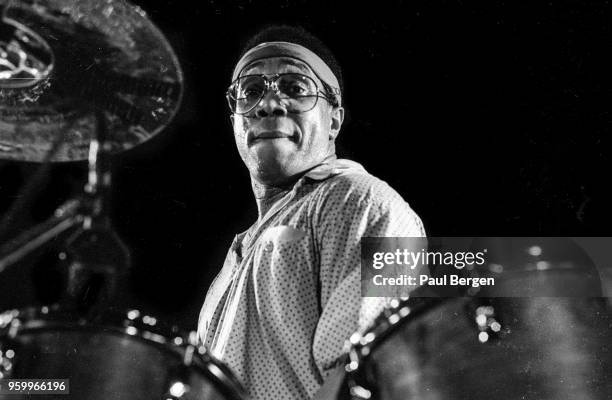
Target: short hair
x: 297, y: 35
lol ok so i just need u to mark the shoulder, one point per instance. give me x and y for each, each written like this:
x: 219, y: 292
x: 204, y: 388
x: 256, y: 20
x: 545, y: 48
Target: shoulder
x: 366, y: 202
x: 359, y: 204
x: 343, y: 193
x: 357, y: 187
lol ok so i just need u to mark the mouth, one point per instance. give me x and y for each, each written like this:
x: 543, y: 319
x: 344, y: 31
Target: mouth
x: 269, y: 136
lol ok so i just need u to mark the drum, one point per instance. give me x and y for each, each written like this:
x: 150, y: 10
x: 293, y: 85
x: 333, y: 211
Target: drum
x: 116, y: 356
x: 470, y: 348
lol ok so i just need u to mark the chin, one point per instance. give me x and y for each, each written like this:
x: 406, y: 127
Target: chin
x: 271, y: 165
x: 273, y: 172
x: 273, y: 176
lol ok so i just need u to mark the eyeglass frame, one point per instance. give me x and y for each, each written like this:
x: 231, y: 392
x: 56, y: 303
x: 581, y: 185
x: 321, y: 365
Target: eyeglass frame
x: 271, y: 79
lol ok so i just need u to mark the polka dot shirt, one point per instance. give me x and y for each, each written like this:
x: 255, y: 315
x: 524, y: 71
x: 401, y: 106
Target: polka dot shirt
x: 288, y: 296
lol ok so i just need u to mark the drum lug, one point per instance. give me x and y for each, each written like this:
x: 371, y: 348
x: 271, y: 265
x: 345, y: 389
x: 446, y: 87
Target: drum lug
x: 178, y: 385
x: 188, y: 356
x: 7, y: 360
x: 487, y: 321
x: 360, y: 393
x: 9, y: 323
x: 176, y: 390
x: 359, y: 348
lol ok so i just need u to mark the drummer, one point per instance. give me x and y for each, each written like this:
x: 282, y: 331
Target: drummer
x: 288, y: 296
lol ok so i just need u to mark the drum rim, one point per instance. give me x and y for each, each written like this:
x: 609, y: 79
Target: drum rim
x: 388, y: 321
x: 159, y: 336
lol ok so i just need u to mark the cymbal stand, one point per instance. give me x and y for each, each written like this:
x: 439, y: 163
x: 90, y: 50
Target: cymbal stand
x: 95, y: 255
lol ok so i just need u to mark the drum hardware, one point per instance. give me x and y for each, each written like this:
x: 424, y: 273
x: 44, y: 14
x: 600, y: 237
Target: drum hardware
x: 177, y: 383
x: 97, y: 255
x: 486, y: 320
x: 85, y: 79
x: 26, y: 59
x: 113, y: 82
x: 7, y: 352
x: 6, y: 362
x: 64, y: 218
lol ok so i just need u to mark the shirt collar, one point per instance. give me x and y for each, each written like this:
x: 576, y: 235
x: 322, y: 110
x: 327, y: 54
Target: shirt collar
x: 330, y: 167
x: 333, y: 166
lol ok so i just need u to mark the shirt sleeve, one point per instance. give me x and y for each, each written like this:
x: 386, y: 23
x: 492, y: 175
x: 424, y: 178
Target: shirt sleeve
x: 349, y: 208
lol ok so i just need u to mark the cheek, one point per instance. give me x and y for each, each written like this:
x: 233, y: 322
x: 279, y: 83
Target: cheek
x: 241, y: 127
x: 318, y: 132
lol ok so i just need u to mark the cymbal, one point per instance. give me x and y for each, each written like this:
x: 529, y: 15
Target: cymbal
x: 62, y: 62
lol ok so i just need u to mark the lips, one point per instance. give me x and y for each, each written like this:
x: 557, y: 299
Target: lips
x: 270, y: 135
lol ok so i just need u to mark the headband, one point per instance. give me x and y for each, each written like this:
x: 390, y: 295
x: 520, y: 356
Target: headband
x: 291, y: 50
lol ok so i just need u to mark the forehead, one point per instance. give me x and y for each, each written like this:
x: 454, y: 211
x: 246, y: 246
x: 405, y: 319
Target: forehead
x: 278, y: 65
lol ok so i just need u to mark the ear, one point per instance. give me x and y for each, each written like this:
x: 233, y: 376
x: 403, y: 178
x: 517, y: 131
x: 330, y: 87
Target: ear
x: 337, y: 117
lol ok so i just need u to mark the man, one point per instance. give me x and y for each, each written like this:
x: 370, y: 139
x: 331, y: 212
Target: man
x: 288, y: 296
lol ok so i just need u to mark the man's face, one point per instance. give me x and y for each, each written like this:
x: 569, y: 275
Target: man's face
x: 276, y: 145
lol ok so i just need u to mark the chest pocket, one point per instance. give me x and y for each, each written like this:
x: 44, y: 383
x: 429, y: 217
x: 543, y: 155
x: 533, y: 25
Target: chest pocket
x: 283, y: 244
x: 283, y: 233
x: 284, y: 256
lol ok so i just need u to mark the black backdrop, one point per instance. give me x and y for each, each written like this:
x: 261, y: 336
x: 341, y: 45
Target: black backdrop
x: 490, y: 118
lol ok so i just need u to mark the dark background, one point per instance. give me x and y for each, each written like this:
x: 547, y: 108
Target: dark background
x: 489, y: 118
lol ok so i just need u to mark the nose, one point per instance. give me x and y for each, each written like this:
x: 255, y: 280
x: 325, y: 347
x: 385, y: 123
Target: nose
x: 270, y: 105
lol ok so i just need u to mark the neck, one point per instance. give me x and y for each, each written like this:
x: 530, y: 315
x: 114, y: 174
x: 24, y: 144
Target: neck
x: 266, y: 195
